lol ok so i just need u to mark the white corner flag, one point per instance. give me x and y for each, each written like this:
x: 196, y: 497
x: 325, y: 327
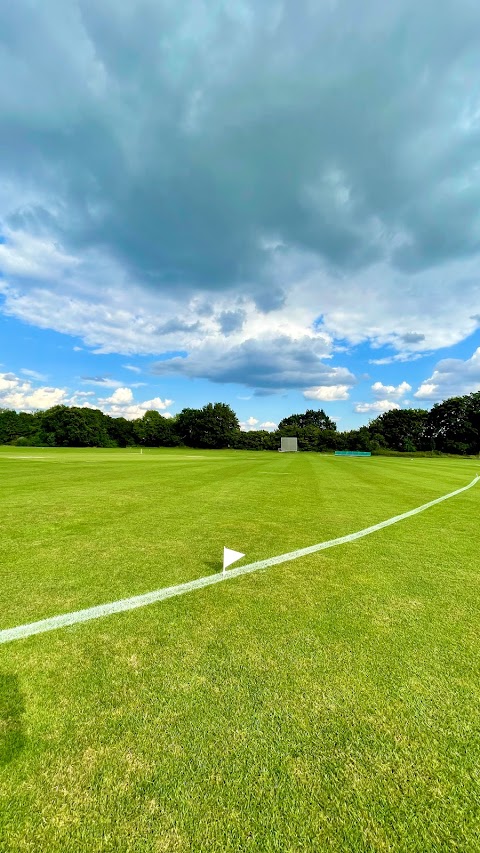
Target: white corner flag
x: 230, y: 557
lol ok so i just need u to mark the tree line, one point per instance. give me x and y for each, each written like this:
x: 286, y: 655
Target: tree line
x: 449, y: 427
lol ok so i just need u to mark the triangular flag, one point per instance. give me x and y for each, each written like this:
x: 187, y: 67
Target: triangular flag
x: 230, y: 557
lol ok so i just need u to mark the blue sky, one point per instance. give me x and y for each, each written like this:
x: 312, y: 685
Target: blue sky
x: 268, y: 204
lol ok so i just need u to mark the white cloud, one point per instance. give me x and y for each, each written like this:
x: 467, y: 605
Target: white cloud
x: 391, y: 391
x: 123, y: 317
x: 327, y: 393
x: 266, y: 361
x: 399, y: 357
x: 8, y: 381
x: 101, y: 381
x: 132, y: 368
x: 20, y: 394
x: 250, y: 424
x: 119, y: 397
x: 377, y: 407
x: 380, y: 303
x: 253, y: 424
x: 16, y: 393
x: 81, y: 399
x: 26, y: 256
x: 33, y: 374
x: 81, y: 403
x: 428, y: 391
x: 39, y: 398
x: 121, y: 404
x: 157, y: 403
x: 451, y: 377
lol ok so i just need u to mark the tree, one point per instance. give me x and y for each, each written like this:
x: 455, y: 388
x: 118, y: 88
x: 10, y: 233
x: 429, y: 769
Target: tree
x: 18, y: 426
x: 187, y: 426
x: 256, y: 439
x: 354, y: 439
x: 316, y: 418
x: 121, y: 431
x: 454, y: 425
x: 400, y: 429
x: 214, y: 426
x: 153, y: 430
x: 8, y: 426
x: 75, y: 427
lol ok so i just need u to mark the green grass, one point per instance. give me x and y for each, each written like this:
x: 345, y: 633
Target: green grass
x: 327, y: 704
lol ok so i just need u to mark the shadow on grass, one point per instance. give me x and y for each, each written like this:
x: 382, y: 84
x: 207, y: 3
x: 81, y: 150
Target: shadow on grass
x: 214, y: 566
x: 12, y: 738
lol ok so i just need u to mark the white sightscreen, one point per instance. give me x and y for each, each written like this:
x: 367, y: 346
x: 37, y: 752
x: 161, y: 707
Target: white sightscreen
x: 288, y: 445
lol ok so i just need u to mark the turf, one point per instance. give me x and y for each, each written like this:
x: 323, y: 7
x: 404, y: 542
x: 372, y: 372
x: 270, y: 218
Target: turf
x: 331, y: 703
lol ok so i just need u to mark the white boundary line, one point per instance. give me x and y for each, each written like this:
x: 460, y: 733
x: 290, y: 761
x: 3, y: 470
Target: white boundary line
x: 65, y: 619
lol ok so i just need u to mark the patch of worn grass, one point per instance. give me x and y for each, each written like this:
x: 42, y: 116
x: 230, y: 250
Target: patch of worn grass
x: 331, y: 703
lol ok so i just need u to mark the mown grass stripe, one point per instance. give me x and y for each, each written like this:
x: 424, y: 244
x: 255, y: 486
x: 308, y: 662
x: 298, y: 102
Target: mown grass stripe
x: 65, y: 619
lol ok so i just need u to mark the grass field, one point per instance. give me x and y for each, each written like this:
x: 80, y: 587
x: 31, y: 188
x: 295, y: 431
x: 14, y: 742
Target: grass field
x: 327, y: 704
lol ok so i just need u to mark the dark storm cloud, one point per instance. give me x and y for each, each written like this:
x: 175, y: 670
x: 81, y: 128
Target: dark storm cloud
x: 182, y: 138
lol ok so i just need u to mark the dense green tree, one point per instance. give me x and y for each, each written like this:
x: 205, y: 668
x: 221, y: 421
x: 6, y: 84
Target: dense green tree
x: 215, y: 425
x: 8, y: 426
x: 18, y: 427
x: 330, y: 439
x: 450, y: 427
x: 311, y: 418
x: 309, y: 437
x: 220, y: 423
x: 75, y: 427
x: 258, y: 439
x: 121, y: 431
x: 187, y: 426
x: 400, y: 429
x: 355, y: 439
x: 454, y: 425
x: 153, y: 430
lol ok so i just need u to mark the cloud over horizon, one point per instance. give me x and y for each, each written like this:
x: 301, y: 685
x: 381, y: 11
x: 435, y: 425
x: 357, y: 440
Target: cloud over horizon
x: 23, y: 395
x: 377, y: 407
x: 451, y: 377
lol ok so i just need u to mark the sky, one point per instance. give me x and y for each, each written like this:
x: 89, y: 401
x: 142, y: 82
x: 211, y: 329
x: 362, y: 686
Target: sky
x: 274, y: 205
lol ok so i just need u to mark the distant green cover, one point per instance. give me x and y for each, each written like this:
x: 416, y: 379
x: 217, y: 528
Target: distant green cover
x: 352, y: 453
